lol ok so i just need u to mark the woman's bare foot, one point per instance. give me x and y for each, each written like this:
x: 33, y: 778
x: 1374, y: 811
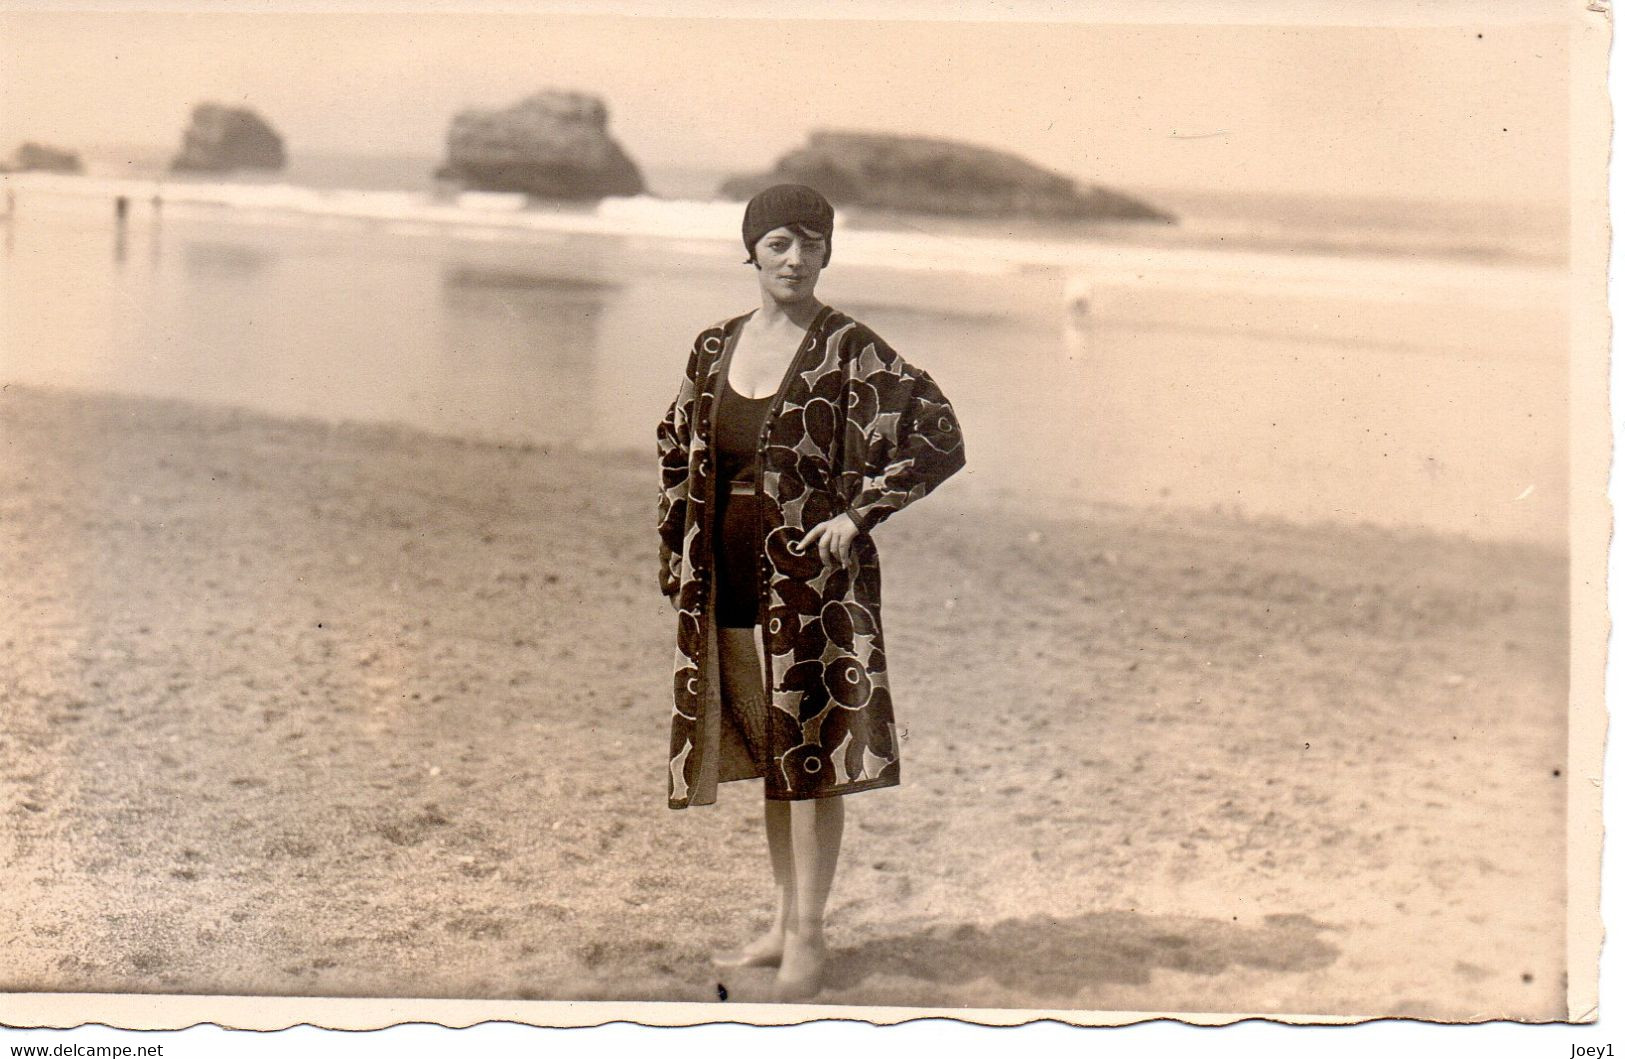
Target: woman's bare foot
x: 801, y: 972
x: 765, y: 951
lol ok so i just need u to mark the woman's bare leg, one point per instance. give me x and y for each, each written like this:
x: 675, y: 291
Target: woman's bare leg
x: 816, y: 826
x: 803, y: 846
x: 782, y: 857
x: 742, y: 682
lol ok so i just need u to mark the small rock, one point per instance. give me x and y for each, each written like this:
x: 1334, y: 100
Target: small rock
x: 35, y: 156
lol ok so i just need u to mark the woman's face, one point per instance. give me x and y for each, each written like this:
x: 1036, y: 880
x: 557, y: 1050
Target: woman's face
x: 788, y: 261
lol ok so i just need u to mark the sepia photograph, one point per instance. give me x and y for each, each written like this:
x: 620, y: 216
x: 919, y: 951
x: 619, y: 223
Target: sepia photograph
x: 449, y: 456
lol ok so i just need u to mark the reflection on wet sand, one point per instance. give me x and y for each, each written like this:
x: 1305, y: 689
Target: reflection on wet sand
x: 487, y: 277
x: 209, y: 259
x: 518, y: 348
x: 1355, y: 398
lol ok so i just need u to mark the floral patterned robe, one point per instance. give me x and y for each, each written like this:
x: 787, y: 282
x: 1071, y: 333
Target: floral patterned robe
x: 853, y: 428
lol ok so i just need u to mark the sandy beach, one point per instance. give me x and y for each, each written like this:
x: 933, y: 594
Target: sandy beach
x: 296, y: 708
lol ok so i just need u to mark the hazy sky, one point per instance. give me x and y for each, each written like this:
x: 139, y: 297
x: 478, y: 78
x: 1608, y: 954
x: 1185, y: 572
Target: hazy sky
x: 1436, y: 111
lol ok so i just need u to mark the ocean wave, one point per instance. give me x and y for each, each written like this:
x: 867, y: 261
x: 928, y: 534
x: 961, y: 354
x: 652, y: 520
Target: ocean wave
x: 698, y: 227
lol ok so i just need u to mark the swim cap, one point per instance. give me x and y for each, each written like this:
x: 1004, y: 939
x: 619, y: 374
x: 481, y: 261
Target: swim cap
x: 785, y: 204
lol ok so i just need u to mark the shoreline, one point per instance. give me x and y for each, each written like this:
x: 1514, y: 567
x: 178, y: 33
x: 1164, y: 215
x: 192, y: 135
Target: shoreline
x: 992, y: 499
x: 350, y: 709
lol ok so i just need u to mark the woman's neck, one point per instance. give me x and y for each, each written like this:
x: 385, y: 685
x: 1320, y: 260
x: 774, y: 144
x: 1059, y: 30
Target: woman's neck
x: 777, y: 315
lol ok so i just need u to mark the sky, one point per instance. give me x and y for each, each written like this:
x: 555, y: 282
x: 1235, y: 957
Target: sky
x: 1475, y: 111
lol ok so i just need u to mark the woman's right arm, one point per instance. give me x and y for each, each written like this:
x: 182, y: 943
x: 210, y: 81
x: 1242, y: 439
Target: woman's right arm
x: 672, y: 444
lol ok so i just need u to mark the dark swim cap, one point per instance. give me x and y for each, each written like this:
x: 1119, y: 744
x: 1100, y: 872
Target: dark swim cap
x: 783, y: 205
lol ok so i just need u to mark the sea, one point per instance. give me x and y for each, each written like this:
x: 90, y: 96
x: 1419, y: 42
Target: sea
x: 1316, y: 359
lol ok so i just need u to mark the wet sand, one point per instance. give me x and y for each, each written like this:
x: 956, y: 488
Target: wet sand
x: 293, y: 708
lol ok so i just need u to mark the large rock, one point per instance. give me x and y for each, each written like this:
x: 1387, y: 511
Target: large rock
x: 553, y: 145
x: 921, y: 175
x: 37, y: 156
x: 222, y: 138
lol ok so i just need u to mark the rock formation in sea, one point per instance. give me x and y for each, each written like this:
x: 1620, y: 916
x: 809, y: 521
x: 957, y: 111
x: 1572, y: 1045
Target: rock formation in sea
x: 921, y: 175
x: 552, y: 145
x: 221, y: 138
x: 38, y: 157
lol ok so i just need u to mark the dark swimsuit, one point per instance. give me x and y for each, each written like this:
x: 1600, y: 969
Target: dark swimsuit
x: 739, y: 546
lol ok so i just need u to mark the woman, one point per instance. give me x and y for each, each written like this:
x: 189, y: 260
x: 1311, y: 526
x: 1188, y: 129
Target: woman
x: 796, y: 431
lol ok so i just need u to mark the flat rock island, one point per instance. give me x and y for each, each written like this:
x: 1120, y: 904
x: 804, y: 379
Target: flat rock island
x: 922, y: 175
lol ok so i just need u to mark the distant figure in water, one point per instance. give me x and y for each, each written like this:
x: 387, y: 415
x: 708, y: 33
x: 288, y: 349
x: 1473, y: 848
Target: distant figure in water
x: 155, y: 240
x: 795, y: 432
x: 121, y: 215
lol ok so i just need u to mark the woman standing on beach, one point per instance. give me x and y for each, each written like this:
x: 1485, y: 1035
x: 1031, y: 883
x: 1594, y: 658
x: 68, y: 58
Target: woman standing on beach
x: 795, y: 432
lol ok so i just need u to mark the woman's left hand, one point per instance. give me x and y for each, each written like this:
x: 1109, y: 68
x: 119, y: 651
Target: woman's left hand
x: 834, y: 539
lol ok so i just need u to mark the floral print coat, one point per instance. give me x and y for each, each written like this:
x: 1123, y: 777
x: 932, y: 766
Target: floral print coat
x: 854, y: 428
